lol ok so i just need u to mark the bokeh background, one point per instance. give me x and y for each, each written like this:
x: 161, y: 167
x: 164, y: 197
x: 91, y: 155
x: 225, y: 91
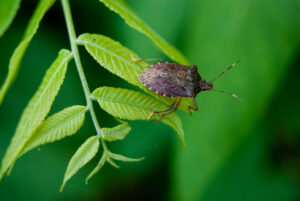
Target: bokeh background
x: 235, y: 151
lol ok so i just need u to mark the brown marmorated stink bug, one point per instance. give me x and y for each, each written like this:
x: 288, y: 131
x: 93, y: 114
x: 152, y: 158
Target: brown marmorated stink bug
x: 175, y: 80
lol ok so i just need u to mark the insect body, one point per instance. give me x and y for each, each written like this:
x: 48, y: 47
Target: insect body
x: 175, y: 80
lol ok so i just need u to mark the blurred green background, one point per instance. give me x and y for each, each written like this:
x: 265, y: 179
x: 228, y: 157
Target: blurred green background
x: 235, y: 151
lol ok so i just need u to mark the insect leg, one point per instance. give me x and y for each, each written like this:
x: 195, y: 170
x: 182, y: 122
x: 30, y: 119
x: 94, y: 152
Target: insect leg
x: 140, y: 60
x: 167, y: 113
x: 195, y: 108
x: 170, y: 108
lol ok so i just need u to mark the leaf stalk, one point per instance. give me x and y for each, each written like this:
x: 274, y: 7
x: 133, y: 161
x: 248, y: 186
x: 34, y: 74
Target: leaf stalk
x: 74, y: 49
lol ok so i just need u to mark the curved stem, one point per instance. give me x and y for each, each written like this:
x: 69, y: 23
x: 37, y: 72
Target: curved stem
x: 104, y: 145
x: 74, y: 48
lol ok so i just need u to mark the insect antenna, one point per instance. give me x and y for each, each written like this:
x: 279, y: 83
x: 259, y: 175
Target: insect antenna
x: 226, y: 92
x: 139, y: 60
x: 227, y: 69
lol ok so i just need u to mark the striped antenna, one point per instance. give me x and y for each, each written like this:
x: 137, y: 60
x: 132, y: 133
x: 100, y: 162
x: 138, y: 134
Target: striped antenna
x: 226, y: 92
x: 227, y: 69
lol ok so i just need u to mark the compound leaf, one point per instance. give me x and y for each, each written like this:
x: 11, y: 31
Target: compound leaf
x: 8, y: 11
x: 116, y: 58
x: 131, y: 105
x: 118, y: 132
x: 17, y: 56
x: 132, y: 19
x: 37, y: 108
x: 56, y: 127
x: 97, y: 168
x: 82, y: 156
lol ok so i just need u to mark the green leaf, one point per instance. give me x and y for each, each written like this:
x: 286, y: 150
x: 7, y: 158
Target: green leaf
x: 118, y: 132
x: 131, y: 18
x: 124, y: 158
x: 8, y: 11
x: 82, y: 156
x: 97, y: 168
x: 113, y: 56
x: 131, y: 105
x: 116, y: 58
x: 37, y: 108
x: 112, y: 163
x: 111, y: 156
x: 17, y: 56
x: 57, y: 127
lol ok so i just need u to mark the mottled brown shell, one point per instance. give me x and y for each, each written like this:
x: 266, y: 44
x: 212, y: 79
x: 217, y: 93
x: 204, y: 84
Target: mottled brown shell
x: 171, y: 79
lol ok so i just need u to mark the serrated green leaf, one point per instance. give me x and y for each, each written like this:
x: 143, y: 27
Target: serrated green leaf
x: 37, y: 108
x: 111, y: 156
x: 124, y: 158
x: 56, y: 127
x: 82, y: 156
x: 17, y: 55
x: 131, y: 105
x: 116, y: 58
x: 113, y: 56
x: 8, y: 11
x: 132, y: 19
x: 118, y: 132
x: 97, y: 168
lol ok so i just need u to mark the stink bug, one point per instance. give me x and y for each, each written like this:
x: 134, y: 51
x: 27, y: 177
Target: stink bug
x: 175, y: 80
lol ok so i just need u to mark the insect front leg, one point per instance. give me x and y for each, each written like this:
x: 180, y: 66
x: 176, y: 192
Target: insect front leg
x: 167, y: 113
x: 140, y: 60
x: 169, y: 109
x: 195, y: 108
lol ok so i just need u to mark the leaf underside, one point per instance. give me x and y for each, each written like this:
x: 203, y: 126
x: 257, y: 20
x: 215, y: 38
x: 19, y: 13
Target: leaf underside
x: 118, y: 132
x: 108, y: 156
x: 82, y: 156
x: 124, y: 158
x: 97, y: 168
x: 37, y: 108
x: 60, y: 125
x: 116, y: 58
x: 18, y: 53
x: 131, y: 105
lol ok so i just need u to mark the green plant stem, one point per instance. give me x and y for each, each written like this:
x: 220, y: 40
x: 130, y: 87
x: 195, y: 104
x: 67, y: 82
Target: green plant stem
x: 74, y: 48
x: 104, y: 145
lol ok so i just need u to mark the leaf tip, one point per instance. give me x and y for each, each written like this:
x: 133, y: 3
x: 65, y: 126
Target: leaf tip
x: 10, y: 169
x: 88, y: 178
x: 1, y: 174
x: 140, y: 159
x: 182, y: 141
x: 62, y: 187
